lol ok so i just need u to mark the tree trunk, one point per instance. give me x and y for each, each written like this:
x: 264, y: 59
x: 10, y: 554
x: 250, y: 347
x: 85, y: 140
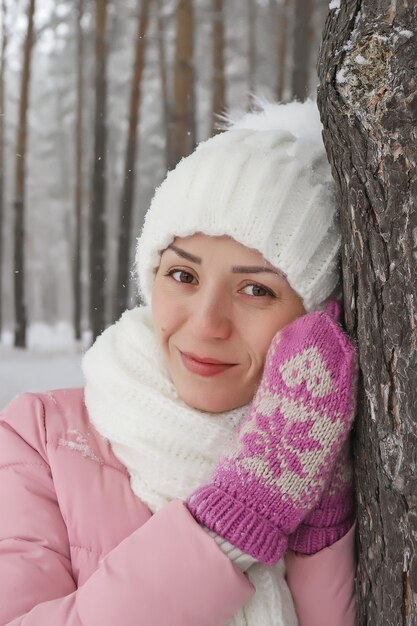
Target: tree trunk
x: 219, y: 83
x: 164, y: 83
x: 302, y: 48
x: 183, y: 130
x: 126, y: 208
x: 76, y: 275
x: 251, y: 50
x: 19, y: 202
x: 282, y: 46
x: 368, y: 101
x: 98, y: 251
x: 2, y: 146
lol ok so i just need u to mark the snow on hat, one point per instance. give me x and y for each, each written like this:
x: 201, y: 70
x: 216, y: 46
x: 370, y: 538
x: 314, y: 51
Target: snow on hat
x: 266, y: 183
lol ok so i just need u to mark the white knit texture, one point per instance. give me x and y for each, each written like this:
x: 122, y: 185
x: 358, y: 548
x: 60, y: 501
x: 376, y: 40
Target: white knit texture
x: 270, y: 189
x: 239, y: 558
x: 168, y: 448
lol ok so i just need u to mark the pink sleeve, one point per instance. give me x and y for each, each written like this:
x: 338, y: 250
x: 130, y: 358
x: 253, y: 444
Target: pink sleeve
x: 323, y: 585
x: 168, y: 571
x: 179, y: 577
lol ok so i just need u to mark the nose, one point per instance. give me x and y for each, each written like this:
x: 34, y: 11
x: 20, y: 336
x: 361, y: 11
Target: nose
x: 210, y: 317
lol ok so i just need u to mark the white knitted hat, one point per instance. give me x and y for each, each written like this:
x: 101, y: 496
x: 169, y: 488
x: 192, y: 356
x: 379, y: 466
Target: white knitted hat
x: 266, y: 183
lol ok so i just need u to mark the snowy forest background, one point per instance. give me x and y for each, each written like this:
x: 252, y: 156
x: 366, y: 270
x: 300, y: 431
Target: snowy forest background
x: 80, y: 173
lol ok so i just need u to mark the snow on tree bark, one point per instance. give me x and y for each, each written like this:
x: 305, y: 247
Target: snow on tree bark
x: 368, y: 101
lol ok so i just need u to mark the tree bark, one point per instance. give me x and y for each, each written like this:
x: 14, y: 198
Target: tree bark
x: 98, y: 248
x: 368, y: 102
x: 19, y: 202
x: 183, y: 123
x: 76, y: 274
x: 302, y: 40
x: 219, y: 82
x: 2, y: 146
x: 126, y: 208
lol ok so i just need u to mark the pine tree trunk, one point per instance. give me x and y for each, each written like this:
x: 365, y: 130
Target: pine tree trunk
x: 163, y: 76
x: 282, y: 46
x: 19, y: 201
x: 2, y: 147
x: 368, y: 101
x: 219, y: 83
x: 78, y: 174
x: 251, y: 50
x: 126, y: 208
x: 302, y: 40
x: 98, y: 229
x: 183, y: 123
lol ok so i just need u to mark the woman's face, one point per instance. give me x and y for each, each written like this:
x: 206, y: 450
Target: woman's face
x: 216, y: 306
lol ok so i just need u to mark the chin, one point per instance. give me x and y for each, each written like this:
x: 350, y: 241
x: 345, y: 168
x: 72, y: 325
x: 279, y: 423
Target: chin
x: 210, y: 404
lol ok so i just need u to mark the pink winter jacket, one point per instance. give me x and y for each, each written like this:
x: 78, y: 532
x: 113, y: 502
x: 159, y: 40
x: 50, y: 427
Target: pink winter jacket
x: 78, y: 548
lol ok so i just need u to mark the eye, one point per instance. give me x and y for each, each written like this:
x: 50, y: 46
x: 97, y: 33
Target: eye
x: 180, y: 276
x: 257, y: 290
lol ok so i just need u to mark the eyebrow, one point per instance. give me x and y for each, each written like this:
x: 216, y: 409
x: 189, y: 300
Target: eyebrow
x: 185, y: 255
x: 236, y: 269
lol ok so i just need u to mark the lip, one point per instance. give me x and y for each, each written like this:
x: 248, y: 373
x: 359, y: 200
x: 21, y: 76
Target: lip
x: 203, y: 366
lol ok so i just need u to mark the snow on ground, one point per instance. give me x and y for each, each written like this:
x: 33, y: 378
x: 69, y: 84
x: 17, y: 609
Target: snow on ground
x: 51, y: 361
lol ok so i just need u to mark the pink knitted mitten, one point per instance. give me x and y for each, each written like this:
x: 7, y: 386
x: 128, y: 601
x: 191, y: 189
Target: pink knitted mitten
x: 335, y: 513
x: 287, y: 446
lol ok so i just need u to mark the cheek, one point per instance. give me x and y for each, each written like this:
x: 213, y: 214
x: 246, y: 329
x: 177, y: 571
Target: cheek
x: 160, y: 310
x: 265, y: 332
x: 166, y: 312
x: 257, y: 342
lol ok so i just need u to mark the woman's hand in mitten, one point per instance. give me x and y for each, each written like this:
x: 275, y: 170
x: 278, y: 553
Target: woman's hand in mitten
x: 335, y: 513
x: 287, y: 446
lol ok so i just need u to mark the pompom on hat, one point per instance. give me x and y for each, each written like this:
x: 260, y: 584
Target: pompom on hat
x: 266, y: 183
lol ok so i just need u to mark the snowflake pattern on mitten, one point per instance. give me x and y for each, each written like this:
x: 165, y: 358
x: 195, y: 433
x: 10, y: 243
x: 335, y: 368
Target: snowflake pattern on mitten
x: 304, y: 425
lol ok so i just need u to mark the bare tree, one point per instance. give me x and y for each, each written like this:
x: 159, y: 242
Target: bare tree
x: 164, y: 82
x: 2, y: 142
x: 368, y: 101
x: 126, y: 208
x: 251, y: 49
x: 219, y: 82
x: 98, y: 201
x: 302, y: 41
x: 19, y: 201
x: 76, y: 273
x: 183, y: 136
x: 282, y: 46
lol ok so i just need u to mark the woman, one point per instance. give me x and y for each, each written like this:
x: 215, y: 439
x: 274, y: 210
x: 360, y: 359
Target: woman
x: 212, y: 440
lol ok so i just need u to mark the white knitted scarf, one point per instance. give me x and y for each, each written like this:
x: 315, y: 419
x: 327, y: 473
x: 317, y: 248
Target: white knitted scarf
x: 169, y: 448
